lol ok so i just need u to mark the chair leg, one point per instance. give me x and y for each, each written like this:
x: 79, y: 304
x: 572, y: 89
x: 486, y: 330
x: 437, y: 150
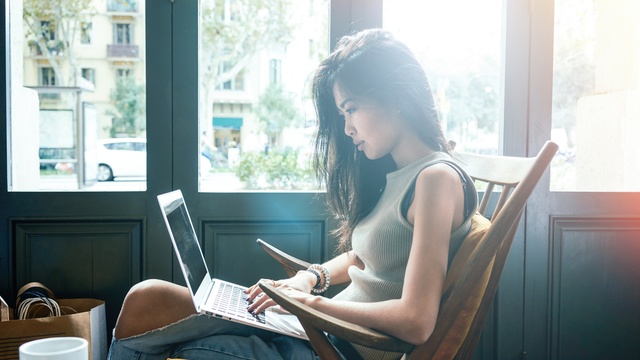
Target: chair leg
x: 321, y: 344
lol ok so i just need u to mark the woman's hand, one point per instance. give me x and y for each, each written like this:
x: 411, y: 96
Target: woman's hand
x: 297, y: 287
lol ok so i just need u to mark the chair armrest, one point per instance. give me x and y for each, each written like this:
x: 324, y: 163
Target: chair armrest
x: 290, y: 264
x: 311, y: 318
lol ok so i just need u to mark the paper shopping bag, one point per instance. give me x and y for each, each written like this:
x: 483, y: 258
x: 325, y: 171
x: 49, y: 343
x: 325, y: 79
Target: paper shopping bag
x: 85, y: 319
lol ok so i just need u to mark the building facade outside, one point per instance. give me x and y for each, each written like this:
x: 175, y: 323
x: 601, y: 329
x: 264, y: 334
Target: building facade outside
x: 109, y: 45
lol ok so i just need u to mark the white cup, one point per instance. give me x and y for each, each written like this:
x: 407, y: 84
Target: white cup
x: 57, y: 348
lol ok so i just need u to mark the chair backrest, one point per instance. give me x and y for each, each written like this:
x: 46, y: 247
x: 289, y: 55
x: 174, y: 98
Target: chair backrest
x: 475, y: 271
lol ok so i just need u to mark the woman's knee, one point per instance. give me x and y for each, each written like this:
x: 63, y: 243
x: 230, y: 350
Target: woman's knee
x: 159, y: 293
x: 151, y: 304
x: 143, y: 292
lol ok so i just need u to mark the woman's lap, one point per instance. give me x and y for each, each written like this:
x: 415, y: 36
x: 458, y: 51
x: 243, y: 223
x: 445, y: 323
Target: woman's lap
x: 205, y: 337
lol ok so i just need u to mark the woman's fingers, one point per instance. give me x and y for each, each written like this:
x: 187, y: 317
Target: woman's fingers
x: 255, y: 290
x: 261, y: 303
x: 258, y: 300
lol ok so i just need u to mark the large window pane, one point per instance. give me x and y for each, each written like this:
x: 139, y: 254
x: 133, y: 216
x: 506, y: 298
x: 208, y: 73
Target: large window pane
x: 458, y: 43
x: 596, y: 95
x: 77, y: 96
x: 256, y: 119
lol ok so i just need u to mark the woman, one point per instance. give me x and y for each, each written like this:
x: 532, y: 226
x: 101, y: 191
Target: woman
x: 404, y: 206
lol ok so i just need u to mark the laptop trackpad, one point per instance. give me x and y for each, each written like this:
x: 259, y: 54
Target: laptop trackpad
x: 283, y: 320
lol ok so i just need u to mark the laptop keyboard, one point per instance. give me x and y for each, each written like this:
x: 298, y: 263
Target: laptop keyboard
x: 233, y: 301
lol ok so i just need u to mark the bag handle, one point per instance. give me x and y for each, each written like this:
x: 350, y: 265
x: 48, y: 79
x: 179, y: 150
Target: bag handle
x: 4, y: 310
x: 34, y: 297
x: 32, y: 288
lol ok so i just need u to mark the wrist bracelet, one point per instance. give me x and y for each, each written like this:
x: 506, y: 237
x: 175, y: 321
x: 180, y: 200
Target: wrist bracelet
x: 325, y: 278
x: 318, y: 278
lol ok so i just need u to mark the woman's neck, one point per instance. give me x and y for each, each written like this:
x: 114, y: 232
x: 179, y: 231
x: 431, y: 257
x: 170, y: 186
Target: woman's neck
x: 409, y: 152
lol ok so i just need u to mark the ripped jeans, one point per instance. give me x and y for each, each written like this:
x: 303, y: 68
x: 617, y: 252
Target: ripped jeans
x: 204, y: 337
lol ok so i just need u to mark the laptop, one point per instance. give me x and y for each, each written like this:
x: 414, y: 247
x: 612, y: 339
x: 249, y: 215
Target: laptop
x: 212, y: 296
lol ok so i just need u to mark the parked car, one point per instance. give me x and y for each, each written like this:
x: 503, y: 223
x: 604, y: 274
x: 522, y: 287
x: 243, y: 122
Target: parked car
x: 121, y: 157
x: 127, y: 157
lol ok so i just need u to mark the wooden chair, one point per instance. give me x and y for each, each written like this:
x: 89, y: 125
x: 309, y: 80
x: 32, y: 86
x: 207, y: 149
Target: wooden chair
x: 471, y: 281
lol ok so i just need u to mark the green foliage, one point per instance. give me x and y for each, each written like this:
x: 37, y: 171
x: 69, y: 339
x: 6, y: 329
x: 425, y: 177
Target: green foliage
x: 473, y: 98
x: 232, y: 35
x: 50, y: 27
x: 56, y: 12
x: 274, y: 170
x: 129, y: 103
x: 276, y: 110
x: 574, y: 63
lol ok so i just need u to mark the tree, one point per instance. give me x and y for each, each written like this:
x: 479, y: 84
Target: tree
x: 472, y: 99
x: 573, y: 63
x: 276, y: 111
x: 129, y: 103
x: 51, y: 27
x: 232, y: 33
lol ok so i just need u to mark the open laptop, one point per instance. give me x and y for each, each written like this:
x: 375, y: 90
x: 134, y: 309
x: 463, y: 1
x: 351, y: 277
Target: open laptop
x: 210, y: 296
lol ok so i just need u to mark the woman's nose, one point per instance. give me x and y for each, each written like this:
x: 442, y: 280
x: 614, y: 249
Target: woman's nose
x: 348, y: 127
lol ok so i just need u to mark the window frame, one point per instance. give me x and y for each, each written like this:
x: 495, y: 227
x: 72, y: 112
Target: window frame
x: 86, y: 33
x: 123, y: 33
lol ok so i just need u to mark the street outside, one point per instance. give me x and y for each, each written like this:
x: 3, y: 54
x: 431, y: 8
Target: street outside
x: 211, y: 182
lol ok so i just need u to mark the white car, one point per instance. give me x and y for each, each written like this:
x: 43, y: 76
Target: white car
x: 121, y: 157
x: 127, y: 157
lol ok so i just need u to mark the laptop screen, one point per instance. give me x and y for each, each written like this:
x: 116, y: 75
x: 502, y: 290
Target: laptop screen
x: 187, y: 243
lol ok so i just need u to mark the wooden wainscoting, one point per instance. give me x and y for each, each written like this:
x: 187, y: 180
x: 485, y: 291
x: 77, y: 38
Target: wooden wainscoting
x: 232, y: 254
x: 594, y: 287
x: 98, y: 259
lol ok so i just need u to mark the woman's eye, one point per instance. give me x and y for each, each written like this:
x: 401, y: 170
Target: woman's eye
x: 349, y: 111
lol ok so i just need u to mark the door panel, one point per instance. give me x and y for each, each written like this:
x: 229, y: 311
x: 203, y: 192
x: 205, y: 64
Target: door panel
x: 91, y: 231
x: 594, y: 287
x: 75, y: 259
x: 570, y: 286
x: 229, y: 223
x: 230, y: 246
x: 580, y: 285
x: 71, y: 241
x: 92, y: 243
x: 157, y: 246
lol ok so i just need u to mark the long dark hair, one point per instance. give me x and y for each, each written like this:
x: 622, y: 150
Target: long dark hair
x: 369, y: 65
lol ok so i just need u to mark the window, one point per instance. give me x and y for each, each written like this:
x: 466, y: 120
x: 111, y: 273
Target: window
x: 312, y: 48
x: 122, y: 73
x: 460, y: 51
x: 89, y: 74
x: 233, y: 81
x: 47, y: 76
x: 54, y: 93
x: 275, y: 70
x: 47, y: 30
x: 123, y: 33
x: 596, y: 87
x: 85, y: 32
x: 255, y: 127
x: 126, y: 145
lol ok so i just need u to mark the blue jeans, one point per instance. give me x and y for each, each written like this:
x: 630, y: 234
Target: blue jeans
x: 205, y: 337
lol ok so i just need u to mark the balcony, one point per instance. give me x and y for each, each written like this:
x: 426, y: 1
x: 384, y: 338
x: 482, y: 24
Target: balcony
x: 122, y: 51
x: 122, y: 6
x: 56, y: 48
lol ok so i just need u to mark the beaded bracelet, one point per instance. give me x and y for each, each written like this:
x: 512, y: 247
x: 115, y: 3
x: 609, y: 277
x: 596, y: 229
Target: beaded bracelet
x: 321, y: 286
x: 318, y: 278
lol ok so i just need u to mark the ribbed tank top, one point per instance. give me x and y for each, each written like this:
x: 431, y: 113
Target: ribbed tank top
x: 382, y: 240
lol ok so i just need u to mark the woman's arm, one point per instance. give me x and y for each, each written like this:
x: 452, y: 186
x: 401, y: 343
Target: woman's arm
x: 339, y: 267
x: 437, y: 208
x: 304, y: 281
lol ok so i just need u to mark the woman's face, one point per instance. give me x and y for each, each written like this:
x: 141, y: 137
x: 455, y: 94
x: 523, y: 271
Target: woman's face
x: 375, y: 130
